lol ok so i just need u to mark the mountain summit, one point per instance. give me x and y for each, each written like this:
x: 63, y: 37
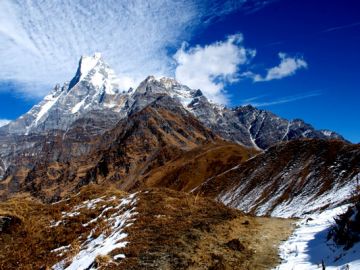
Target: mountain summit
x: 95, y: 71
x: 95, y: 87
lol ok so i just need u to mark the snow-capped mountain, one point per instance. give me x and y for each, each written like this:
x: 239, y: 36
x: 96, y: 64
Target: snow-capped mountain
x: 95, y: 87
x: 93, y: 103
x: 94, y: 100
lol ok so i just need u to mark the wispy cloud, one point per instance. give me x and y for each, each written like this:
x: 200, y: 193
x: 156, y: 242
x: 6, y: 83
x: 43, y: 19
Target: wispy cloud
x: 254, y: 6
x: 213, y: 66
x: 252, y: 99
x: 340, y: 27
x: 288, y: 66
x: 281, y: 100
x: 41, y: 41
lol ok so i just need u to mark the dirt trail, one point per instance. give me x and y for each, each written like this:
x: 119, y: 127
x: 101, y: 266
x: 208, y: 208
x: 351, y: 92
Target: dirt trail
x: 180, y: 231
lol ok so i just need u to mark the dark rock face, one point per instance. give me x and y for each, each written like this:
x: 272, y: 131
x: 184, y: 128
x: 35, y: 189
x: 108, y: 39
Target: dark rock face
x: 7, y: 223
x: 4, y: 223
x: 252, y: 127
x: 346, y: 230
x: 267, y: 129
x: 235, y: 244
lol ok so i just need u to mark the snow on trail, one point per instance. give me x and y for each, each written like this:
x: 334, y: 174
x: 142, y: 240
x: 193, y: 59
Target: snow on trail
x: 105, y: 243
x: 308, y: 246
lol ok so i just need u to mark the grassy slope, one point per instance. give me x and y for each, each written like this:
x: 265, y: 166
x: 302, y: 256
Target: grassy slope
x: 173, y: 230
x: 190, y: 169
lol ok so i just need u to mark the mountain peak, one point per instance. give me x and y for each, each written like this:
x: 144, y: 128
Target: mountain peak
x: 95, y: 71
x: 87, y: 63
x: 169, y: 82
x: 95, y: 87
x: 165, y: 82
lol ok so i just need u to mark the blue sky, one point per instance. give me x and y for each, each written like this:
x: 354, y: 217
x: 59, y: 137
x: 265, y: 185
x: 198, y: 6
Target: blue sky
x: 315, y: 77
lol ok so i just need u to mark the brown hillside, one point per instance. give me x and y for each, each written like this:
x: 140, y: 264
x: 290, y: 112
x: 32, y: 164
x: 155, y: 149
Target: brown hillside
x: 167, y: 230
x: 138, y: 144
x: 194, y: 167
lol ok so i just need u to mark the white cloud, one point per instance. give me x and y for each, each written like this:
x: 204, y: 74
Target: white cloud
x: 287, y: 67
x: 210, y: 67
x: 4, y: 122
x: 42, y: 41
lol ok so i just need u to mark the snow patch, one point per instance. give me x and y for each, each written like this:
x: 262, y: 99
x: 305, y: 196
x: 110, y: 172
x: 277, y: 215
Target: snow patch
x: 50, y: 100
x: 61, y: 250
x: 106, y: 242
x: 87, y: 63
x: 327, y: 133
x: 78, y: 106
x: 302, y: 204
x: 308, y: 247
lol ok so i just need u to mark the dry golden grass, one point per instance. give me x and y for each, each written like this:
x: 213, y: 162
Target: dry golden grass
x: 29, y: 243
x: 192, y: 168
x: 27, y: 240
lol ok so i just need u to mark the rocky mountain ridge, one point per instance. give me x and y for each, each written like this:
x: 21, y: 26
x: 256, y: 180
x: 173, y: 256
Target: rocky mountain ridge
x: 71, y: 159
x: 94, y: 102
x: 95, y: 87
